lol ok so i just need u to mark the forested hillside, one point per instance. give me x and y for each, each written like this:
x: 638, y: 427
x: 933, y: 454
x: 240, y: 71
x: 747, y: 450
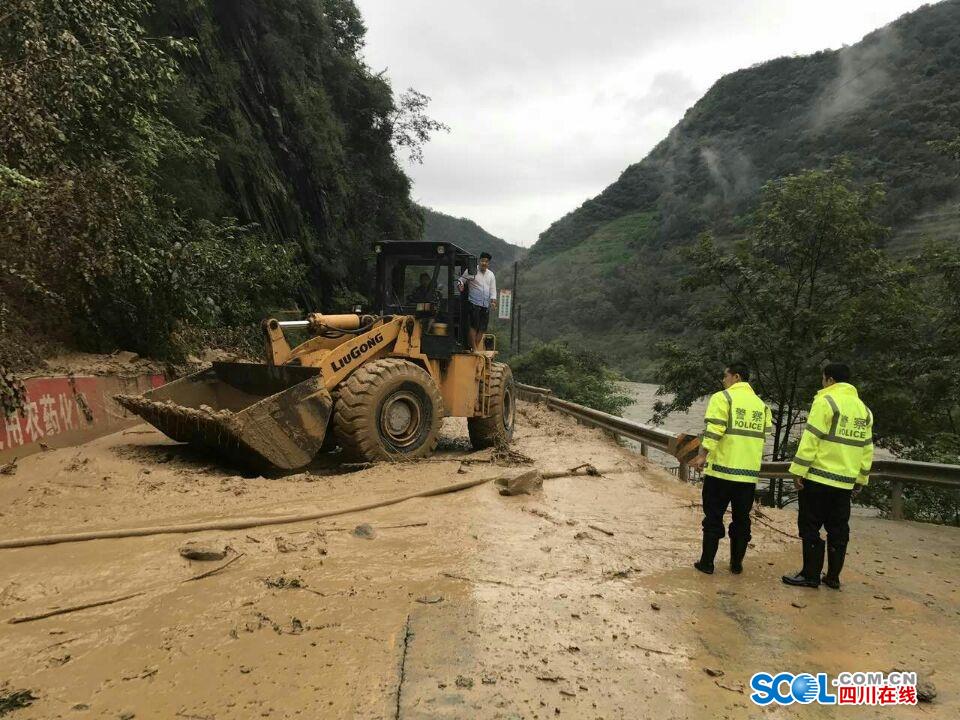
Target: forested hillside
x: 880, y: 102
x: 438, y: 227
x: 170, y: 171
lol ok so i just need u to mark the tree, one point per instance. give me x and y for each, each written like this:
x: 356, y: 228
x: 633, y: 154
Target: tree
x: 579, y: 376
x: 411, y: 125
x: 807, y: 284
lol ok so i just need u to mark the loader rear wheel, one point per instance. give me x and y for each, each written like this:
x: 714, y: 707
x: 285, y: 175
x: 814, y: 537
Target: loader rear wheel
x: 387, y: 409
x: 497, y: 428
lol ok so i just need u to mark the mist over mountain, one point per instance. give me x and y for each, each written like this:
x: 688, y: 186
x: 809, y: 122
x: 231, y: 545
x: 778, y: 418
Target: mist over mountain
x: 608, y: 271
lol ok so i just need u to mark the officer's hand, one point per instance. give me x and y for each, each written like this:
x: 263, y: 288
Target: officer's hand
x: 798, y: 481
x: 698, y: 462
x: 856, y: 489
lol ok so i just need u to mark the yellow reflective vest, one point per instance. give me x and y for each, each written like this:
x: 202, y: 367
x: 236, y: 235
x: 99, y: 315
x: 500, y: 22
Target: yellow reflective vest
x: 836, y: 447
x: 737, y: 424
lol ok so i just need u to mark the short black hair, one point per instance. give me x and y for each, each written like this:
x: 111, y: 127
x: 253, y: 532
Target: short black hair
x: 486, y: 255
x: 739, y: 368
x: 838, y: 372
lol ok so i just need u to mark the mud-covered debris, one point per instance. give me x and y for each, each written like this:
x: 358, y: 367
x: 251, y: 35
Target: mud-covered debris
x: 617, y: 574
x: 125, y: 356
x: 567, y: 693
x: 798, y: 605
x: 464, y: 682
x: 127, y: 715
x: 549, y: 677
x: 11, y: 700
x: 430, y: 599
x: 881, y: 597
x: 713, y: 672
x: 732, y: 687
x: 245, y: 670
x: 199, y: 550
x: 296, y: 626
x: 365, y: 531
x: 655, y: 606
x: 280, y: 582
x: 489, y: 679
x: 9, y: 468
x: 522, y: 484
x: 583, y: 535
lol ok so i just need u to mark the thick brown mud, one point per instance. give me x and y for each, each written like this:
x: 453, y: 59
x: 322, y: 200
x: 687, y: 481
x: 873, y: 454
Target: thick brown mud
x: 577, y: 601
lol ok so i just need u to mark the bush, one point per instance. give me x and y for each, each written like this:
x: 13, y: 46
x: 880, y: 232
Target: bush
x: 579, y: 376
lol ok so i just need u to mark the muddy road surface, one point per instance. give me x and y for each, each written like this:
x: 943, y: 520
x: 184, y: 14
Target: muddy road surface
x: 576, y: 601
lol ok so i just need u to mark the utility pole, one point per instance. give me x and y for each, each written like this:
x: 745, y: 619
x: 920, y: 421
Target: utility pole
x: 518, y: 328
x: 513, y: 311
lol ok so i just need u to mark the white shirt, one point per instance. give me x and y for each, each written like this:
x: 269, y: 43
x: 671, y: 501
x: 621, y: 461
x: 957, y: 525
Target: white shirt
x: 483, y: 287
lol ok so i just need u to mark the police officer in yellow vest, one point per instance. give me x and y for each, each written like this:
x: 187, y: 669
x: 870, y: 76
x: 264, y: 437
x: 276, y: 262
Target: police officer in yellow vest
x: 834, y: 457
x: 737, y: 424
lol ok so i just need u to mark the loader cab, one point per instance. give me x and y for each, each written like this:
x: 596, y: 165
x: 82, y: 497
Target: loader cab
x: 420, y: 279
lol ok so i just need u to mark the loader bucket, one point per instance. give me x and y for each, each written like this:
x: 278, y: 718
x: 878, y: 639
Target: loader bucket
x: 258, y: 415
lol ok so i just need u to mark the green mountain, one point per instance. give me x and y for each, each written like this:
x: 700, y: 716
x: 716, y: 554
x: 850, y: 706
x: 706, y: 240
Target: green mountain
x: 438, y: 227
x: 606, y: 274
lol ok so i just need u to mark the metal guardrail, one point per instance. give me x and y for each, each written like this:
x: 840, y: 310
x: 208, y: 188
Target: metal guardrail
x: 897, y: 472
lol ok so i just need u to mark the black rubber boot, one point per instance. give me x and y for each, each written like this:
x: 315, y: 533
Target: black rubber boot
x: 709, y: 552
x: 835, y: 557
x: 809, y: 576
x: 738, y: 548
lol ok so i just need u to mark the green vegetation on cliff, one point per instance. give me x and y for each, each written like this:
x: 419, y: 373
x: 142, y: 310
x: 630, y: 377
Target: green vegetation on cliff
x: 174, y: 168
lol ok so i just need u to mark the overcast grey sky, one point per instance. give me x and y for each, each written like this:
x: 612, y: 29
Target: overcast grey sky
x: 549, y: 100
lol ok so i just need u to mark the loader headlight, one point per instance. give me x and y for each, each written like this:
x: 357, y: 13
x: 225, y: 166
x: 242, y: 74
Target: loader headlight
x: 441, y: 249
x: 378, y: 249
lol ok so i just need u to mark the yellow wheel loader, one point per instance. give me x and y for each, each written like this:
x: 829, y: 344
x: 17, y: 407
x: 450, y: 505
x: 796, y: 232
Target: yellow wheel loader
x: 378, y: 385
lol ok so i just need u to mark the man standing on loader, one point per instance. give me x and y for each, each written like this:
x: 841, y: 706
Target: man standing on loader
x: 737, y: 424
x: 834, y: 457
x: 481, y: 297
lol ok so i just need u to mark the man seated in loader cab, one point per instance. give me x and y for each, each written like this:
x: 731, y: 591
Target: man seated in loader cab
x: 423, y: 292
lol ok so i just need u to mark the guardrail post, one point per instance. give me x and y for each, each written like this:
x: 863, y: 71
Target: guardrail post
x: 643, y: 449
x: 683, y: 472
x: 896, y: 500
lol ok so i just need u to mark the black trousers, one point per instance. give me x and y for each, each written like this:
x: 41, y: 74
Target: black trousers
x: 717, y: 494
x: 827, y: 507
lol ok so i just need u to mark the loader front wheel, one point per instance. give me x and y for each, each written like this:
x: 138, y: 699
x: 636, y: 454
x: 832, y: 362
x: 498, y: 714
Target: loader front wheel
x: 497, y: 428
x: 388, y: 409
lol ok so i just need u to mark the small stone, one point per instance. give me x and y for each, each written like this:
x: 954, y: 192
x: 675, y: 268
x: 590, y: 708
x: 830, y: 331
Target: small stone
x: 365, y: 531
x: 81, y: 706
x: 522, y: 484
x: 926, y: 691
x: 654, y: 606
x: 464, y: 682
x: 713, y: 672
x: 197, y: 550
x: 880, y: 597
x: 127, y: 715
x: 489, y: 680
x: 430, y: 599
x: 799, y: 605
x: 244, y: 669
